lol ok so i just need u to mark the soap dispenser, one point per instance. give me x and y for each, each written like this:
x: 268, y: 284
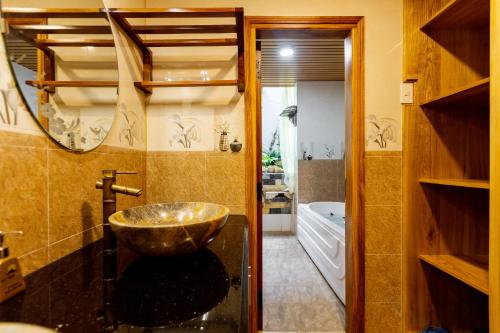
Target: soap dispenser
x: 11, y: 279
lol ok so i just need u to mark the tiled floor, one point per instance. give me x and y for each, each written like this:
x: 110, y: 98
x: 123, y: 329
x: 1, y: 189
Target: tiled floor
x: 296, y: 297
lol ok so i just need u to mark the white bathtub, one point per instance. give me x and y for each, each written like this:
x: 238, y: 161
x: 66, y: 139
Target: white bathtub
x: 321, y: 231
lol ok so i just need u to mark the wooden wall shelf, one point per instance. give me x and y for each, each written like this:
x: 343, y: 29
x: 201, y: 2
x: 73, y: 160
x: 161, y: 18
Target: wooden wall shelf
x: 183, y: 29
x: 67, y: 84
x: 460, y: 14
x: 176, y: 84
x: 470, y: 271
x: 450, y: 271
x: 44, y: 43
x: 176, y: 12
x: 19, y: 12
x: 469, y: 183
x: 31, y: 32
x: 191, y: 42
x: 478, y: 90
x: 35, y: 29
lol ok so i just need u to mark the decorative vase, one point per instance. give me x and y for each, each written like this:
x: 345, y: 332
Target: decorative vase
x: 223, y: 142
x: 236, y: 145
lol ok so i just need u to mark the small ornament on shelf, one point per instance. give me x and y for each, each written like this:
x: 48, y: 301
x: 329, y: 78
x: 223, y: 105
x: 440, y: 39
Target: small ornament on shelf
x: 223, y: 129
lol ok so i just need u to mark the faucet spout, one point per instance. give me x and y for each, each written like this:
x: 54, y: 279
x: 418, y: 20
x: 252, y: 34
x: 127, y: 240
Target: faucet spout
x: 126, y: 190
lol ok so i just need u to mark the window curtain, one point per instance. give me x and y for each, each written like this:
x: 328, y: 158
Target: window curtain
x: 288, y: 140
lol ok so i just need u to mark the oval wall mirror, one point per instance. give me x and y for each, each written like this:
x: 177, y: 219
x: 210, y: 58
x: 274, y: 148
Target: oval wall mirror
x: 65, y: 66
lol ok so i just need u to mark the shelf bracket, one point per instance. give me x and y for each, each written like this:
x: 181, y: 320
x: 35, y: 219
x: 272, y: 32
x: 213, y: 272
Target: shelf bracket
x: 147, y: 55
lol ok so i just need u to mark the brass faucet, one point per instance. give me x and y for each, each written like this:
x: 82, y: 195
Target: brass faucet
x: 109, y: 190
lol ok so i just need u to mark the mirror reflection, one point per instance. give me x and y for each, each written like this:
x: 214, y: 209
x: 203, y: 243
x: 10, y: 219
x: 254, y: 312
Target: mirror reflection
x: 65, y: 65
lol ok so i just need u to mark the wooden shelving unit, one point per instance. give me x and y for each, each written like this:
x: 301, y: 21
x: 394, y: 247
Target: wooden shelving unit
x: 459, y: 14
x: 476, y: 91
x: 468, y: 183
x: 471, y: 271
x: 447, y: 232
x: 122, y: 16
x: 32, y: 32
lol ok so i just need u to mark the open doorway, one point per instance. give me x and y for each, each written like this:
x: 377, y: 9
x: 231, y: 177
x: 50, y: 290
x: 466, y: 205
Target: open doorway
x: 303, y: 180
x: 302, y: 269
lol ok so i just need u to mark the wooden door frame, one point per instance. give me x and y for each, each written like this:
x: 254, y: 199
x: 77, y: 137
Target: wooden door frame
x: 354, y: 27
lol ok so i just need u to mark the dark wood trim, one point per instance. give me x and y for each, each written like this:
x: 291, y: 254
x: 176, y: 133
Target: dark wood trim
x: 147, y: 55
x: 190, y: 42
x: 175, y: 12
x: 18, y: 12
x: 240, y: 33
x: 44, y: 43
x: 82, y: 84
x: 184, y: 29
x: 354, y: 26
x: 35, y: 29
x: 170, y: 84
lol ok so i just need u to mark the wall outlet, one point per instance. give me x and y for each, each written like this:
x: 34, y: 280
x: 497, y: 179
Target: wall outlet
x: 406, y: 96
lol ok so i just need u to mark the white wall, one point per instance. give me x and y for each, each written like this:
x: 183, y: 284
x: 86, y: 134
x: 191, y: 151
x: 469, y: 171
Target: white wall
x: 272, y: 106
x: 320, y: 117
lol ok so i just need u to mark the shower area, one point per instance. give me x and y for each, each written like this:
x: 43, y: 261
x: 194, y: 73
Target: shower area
x: 303, y: 190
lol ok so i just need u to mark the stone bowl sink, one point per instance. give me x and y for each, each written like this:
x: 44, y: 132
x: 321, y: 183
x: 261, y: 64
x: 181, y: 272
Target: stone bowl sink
x: 168, y: 229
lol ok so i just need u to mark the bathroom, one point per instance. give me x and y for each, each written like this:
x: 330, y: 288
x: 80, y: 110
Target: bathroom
x: 303, y: 183
x: 131, y: 167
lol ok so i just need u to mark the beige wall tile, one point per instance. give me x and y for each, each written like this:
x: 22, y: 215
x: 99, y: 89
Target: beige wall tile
x: 383, y: 317
x: 23, y: 199
x: 37, y: 179
x: 226, y: 179
x: 34, y: 260
x: 197, y: 176
x: 8, y: 138
x: 383, y: 278
x: 383, y: 229
x: 174, y: 177
x: 321, y: 180
x: 383, y: 181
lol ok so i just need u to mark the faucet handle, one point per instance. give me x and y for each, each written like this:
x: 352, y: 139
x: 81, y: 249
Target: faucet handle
x: 126, y: 172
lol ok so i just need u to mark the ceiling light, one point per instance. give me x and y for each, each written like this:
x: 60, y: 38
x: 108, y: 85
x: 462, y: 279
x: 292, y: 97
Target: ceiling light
x: 286, y: 52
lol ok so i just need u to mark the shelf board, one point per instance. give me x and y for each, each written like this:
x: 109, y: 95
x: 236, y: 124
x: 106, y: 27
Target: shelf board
x: 170, y: 84
x: 21, y: 12
x: 190, y: 42
x: 44, y: 43
x: 470, y: 271
x: 184, y: 29
x: 35, y: 29
x: 82, y: 84
x: 460, y: 14
x: 474, y: 91
x: 469, y: 183
x: 175, y: 12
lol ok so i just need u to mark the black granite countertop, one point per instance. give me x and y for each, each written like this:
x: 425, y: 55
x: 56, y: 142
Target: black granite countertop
x: 202, y: 292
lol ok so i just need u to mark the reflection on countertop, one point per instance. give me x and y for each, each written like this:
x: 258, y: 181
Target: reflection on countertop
x: 200, y: 292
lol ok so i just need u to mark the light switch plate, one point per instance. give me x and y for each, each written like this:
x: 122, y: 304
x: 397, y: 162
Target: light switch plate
x: 406, y: 96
